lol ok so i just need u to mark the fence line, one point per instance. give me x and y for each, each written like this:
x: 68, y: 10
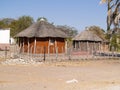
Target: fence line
x: 18, y: 52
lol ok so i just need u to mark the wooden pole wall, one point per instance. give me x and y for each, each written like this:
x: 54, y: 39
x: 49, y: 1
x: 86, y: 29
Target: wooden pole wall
x: 35, y: 45
x: 23, y: 45
x: 49, y: 46
x: 28, y: 46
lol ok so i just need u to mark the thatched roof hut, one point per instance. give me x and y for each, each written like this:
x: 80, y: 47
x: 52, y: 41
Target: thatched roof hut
x: 88, y: 41
x: 87, y: 36
x: 42, y: 37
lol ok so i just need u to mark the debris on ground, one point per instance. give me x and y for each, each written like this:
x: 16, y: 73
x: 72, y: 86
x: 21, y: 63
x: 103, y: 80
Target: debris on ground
x: 72, y: 81
x: 19, y: 61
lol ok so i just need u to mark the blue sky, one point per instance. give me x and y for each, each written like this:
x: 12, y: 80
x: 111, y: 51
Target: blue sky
x: 74, y: 13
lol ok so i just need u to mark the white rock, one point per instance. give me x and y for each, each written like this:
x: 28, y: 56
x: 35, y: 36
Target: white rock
x: 72, y: 81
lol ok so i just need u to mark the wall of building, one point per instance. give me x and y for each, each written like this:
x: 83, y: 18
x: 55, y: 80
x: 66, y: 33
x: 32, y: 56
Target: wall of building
x: 4, y: 39
x: 87, y: 46
x: 4, y: 36
x: 61, y: 45
x: 90, y: 46
x: 41, y: 45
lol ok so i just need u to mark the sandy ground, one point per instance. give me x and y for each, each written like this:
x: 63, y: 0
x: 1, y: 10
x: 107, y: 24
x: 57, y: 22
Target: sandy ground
x: 77, y: 75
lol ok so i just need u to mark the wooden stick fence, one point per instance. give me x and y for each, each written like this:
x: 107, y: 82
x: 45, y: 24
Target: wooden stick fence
x: 55, y: 56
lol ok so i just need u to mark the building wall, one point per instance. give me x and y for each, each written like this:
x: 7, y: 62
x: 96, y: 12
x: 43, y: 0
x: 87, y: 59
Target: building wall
x: 105, y: 47
x: 4, y: 36
x: 87, y: 46
x: 61, y: 45
x: 41, y: 45
x: 4, y: 39
x: 90, y: 46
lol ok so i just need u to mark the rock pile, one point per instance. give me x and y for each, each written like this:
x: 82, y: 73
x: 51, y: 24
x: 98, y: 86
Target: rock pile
x: 19, y: 61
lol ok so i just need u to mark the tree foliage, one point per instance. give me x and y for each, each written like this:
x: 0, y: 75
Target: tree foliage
x: 114, y: 44
x: 5, y: 23
x: 113, y: 18
x: 113, y: 15
x: 22, y: 23
x: 98, y: 31
x: 16, y: 25
x: 2, y: 25
x: 70, y: 31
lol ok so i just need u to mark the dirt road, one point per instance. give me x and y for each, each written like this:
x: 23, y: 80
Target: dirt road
x: 82, y: 75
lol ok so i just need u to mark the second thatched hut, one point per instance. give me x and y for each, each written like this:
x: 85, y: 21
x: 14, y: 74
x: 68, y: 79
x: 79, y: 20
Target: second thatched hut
x: 88, y: 41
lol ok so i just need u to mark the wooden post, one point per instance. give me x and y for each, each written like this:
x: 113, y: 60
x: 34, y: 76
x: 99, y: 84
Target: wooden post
x: 20, y: 45
x: 105, y: 47
x: 44, y: 53
x: 55, y: 45
x: 17, y: 45
x: 87, y: 49
x: 35, y: 46
x: 75, y: 45
x: 69, y: 53
x: 31, y: 51
x: 56, y: 52
x: 79, y: 45
x: 5, y: 52
x: 28, y: 47
x: 49, y: 47
x: 93, y: 51
x: 23, y: 44
x: 98, y: 47
x: 66, y: 47
x: 87, y: 46
x: 94, y: 47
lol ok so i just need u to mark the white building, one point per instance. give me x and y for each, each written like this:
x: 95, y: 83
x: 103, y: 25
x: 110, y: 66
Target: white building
x: 4, y: 38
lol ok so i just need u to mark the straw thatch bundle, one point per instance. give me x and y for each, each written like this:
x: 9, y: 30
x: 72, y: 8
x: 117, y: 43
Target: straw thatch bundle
x: 42, y: 29
x: 87, y: 36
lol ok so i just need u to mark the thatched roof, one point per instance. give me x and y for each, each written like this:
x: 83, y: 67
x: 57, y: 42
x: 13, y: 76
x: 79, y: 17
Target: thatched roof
x: 87, y: 36
x: 42, y: 29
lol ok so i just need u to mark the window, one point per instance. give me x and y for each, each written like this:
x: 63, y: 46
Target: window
x: 52, y: 41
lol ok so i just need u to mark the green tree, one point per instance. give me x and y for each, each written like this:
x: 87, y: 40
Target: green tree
x: 5, y: 23
x: 22, y: 23
x: 113, y: 16
x: 70, y: 31
x: 98, y: 31
x: 2, y: 25
x: 113, y: 44
x: 14, y: 27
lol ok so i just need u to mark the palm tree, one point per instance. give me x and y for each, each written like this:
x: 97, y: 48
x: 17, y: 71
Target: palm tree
x: 113, y: 16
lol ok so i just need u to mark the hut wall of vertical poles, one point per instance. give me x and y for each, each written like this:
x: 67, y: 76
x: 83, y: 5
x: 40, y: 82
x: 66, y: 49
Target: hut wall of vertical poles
x: 89, y: 42
x: 57, y: 45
